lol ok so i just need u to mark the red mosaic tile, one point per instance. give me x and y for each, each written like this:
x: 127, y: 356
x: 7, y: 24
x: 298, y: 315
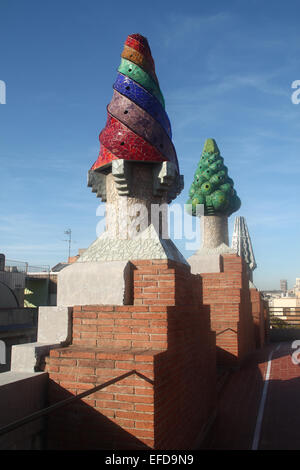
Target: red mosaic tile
x: 104, y: 157
x: 125, y: 144
x: 140, y: 44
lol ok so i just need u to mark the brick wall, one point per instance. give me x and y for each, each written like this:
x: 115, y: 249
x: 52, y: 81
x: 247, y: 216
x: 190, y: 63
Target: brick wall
x: 121, y: 416
x: 166, y: 338
x: 258, y: 318
x: 228, y: 296
x: 120, y: 327
x: 158, y: 282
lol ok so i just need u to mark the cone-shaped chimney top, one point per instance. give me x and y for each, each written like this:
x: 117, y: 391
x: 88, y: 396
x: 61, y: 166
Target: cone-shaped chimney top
x: 137, y: 127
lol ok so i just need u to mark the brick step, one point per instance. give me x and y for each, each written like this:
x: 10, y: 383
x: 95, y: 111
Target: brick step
x: 76, y: 362
x: 77, y: 369
x: 133, y: 326
x: 127, y: 403
x: 120, y: 327
x: 76, y: 356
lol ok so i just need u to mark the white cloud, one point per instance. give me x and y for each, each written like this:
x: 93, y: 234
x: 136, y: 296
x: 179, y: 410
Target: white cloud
x: 180, y: 27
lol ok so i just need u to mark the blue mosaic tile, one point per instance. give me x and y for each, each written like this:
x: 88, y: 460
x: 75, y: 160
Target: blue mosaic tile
x: 142, y: 98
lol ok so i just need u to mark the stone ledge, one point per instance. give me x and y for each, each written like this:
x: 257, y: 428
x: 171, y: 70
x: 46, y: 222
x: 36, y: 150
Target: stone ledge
x: 209, y: 260
x: 28, y: 357
x: 10, y: 377
x: 92, y: 282
x: 21, y: 394
x: 54, y: 331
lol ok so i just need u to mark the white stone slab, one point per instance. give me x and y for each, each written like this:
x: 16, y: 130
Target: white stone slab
x: 54, y: 325
x: 26, y: 357
x: 7, y: 378
x: 205, y: 264
x: 209, y: 260
x: 54, y: 331
x: 95, y: 283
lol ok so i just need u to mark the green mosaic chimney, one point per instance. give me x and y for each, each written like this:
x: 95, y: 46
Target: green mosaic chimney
x: 212, y: 185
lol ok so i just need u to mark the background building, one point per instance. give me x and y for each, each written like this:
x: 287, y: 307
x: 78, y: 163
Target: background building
x: 283, y: 286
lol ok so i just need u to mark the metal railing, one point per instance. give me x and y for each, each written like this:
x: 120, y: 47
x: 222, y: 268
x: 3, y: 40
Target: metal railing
x: 45, y: 411
x: 15, y: 266
x: 284, y: 317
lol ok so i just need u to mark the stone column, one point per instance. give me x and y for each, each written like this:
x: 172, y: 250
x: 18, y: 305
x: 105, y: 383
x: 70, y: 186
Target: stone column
x: 128, y: 216
x: 214, y: 189
x: 215, y: 239
x: 214, y: 229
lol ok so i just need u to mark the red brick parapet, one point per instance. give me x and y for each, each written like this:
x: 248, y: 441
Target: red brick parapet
x: 166, y: 338
x: 228, y: 296
x: 259, y: 320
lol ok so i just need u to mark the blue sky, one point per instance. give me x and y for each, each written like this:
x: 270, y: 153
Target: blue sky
x: 225, y: 69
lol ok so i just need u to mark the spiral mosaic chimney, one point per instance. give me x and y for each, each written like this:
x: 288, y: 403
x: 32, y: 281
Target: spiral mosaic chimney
x: 138, y: 128
x: 137, y: 175
x: 137, y: 166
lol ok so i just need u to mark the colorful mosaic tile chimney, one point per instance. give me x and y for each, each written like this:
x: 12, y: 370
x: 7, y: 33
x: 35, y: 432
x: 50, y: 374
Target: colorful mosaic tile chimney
x: 212, y: 186
x: 137, y: 127
x: 134, y: 328
x: 136, y: 171
x: 214, y: 190
x: 137, y: 166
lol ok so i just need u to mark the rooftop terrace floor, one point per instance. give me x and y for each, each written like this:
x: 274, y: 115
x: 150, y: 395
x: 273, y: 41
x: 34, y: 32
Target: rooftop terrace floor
x: 258, y: 406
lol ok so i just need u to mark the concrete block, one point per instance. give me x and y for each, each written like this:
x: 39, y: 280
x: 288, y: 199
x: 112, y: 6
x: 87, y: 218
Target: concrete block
x: 209, y: 260
x: 99, y: 282
x: 22, y: 394
x: 27, y: 357
x: 54, y: 325
x: 205, y: 263
x: 54, y: 331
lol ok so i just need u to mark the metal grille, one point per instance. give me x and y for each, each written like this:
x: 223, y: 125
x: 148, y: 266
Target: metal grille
x: 24, y: 267
x: 284, y: 317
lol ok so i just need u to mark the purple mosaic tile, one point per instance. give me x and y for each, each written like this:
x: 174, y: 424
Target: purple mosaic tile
x: 142, y: 98
x: 142, y: 124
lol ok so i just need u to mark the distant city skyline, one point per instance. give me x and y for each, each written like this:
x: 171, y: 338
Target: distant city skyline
x: 226, y: 70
